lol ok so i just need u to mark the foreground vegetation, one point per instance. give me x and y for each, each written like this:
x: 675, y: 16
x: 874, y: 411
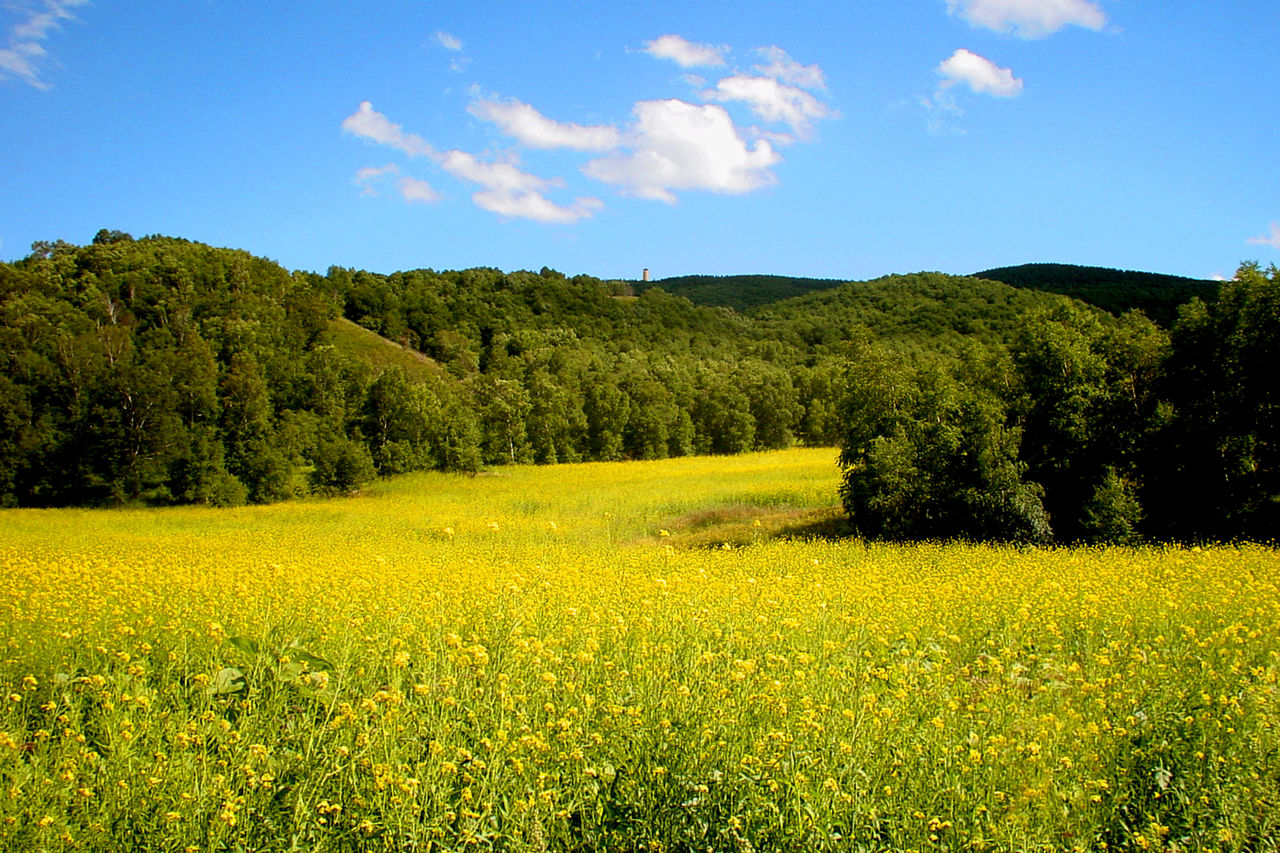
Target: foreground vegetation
x: 526, y: 662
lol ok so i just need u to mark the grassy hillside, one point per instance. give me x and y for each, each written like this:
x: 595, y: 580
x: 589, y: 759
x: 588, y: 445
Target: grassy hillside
x: 377, y: 352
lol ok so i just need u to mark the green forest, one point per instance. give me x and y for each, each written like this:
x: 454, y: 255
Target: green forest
x: 1043, y: 403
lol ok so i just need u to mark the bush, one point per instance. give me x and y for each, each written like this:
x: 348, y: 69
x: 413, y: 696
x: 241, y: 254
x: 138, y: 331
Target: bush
x: 342, y: 466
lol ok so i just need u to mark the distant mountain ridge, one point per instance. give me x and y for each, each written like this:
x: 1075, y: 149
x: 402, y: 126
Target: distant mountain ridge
x: 1116, y: 291
x: 739, y: 292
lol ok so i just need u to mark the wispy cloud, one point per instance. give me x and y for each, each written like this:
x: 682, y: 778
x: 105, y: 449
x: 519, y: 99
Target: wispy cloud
x: 368, y: 123
x: 1029, y: 19
x: 1272, y: 239
x: 532, y: 128
x: 370, y: 175
x: 771, y: 101
x: 453, y: 44
x: 782, y: 67
x: 778, y: 94
x: 980, y: 74
x: 24, y: 55
x: 448, y: 40
x: 410, y: 189
x: 507, y: 190
x: 685, y: 53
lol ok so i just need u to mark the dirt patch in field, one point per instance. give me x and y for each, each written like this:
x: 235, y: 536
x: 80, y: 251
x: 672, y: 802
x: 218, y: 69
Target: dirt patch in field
x: 740, y: 525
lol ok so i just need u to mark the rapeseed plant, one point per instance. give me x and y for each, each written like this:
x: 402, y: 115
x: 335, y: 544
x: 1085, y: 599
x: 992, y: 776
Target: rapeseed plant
x: 551, y: 674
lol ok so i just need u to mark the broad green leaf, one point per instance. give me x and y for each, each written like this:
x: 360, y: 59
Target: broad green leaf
x: 244, y: 644
x: 316, y: 662
x: 229, y: 680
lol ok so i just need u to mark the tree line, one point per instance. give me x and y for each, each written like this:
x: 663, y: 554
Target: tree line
x: 1084, y: 427
x: 160, y: 370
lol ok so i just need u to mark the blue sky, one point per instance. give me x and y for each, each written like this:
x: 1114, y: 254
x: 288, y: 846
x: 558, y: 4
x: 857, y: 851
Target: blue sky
x: 812, y: 138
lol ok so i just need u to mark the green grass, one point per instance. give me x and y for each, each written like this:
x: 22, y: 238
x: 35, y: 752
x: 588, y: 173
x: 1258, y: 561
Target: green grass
x: 379, y: 353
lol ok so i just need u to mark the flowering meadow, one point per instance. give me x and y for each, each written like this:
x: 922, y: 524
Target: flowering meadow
x: 537, y: 660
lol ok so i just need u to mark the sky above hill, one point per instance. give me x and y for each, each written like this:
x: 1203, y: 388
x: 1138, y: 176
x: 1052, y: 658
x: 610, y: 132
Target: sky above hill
x: 829, y: 139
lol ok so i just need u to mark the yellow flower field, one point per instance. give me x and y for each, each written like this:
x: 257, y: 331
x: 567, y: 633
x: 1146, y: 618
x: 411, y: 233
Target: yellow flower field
x: 524, y: 662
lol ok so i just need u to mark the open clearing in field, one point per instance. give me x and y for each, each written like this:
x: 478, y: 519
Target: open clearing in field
x: 524, y: 661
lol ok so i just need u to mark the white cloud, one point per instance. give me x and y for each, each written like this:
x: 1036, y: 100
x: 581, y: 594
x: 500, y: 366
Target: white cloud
x: 1272, y: 239
x: 23, y: 55
x: 508, y: 191
x: 448, y: 41
x: 536, y: 207
x: 771, y: 101
x: 667, y: 146
x: 530, y: 127
x: 1029, y: 18
x: 369, y: 175
x: 782, y: 67
x: 681, y: 146
x: 413, y: 189
x: 981, y: 74
x: 685, y: 53
x: 500, y: 176
x: 372, y: 173
x: 368, y: 123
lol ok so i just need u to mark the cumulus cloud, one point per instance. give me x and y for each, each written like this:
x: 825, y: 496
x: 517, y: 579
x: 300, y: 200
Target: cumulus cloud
x: 685, y: 53
x: 1272, y: 239
x: 368, y: 123
x: 770, y: 100
x: 980, y: 74
x: 23, y: 56
x: 532, y: 128
x: 448, y: 41
x: 782, y: 67
x: 1029, y: 18
x: 675, y: 145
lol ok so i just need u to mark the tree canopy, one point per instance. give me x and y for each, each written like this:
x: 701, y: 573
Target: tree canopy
x: 161, y: 370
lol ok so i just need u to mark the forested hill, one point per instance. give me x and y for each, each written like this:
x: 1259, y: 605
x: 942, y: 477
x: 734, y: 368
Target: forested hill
x: 169, y: 371
x: 739, y: 292
x: 1156, y: 295
x: 922, y: 312
x: 160, y: 370
x: 1114, y: 291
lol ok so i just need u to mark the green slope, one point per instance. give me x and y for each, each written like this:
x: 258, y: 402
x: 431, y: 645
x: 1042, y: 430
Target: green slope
x: 377, y: 352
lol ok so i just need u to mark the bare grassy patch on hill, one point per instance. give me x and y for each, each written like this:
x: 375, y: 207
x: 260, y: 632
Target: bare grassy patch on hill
x: 739, y: 525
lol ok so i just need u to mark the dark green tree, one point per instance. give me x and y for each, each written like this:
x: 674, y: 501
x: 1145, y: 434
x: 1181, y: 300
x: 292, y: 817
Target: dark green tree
x: 1217, y: 474
x: 929, y: 457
